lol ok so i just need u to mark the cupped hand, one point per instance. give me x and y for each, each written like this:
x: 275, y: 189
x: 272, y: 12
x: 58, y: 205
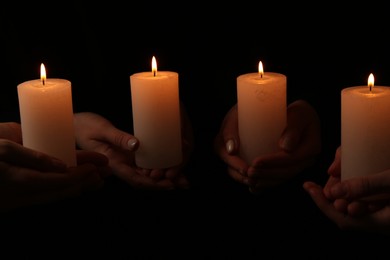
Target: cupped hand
x: 96, y: 133
x: 299, y: 144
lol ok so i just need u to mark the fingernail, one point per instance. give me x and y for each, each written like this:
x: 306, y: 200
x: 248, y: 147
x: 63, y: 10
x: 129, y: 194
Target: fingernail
x: 286, y: 144
x: 229, y: 146
x: 132, y: 143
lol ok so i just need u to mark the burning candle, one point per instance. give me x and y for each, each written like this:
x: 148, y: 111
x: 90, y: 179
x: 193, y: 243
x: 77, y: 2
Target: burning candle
x: 46, y: 114
x: 156, y: 118
x: 262, y: 112
x: 365, y: 129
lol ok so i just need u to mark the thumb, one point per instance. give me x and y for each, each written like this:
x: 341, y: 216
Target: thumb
x: 121, y: 139
x: 229, y: 130
x: 356, y: 188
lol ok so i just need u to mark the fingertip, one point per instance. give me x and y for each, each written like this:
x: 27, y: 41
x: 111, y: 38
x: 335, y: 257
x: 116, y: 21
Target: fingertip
x: 230, y: 146
x: 287, y: 143
x: 310, y: 187
x: 306, y: 186
x: 132, y: 144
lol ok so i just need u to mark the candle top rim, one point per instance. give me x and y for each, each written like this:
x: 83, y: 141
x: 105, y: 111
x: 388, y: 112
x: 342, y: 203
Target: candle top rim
x: 387, y: 88
x: 364, y: 90
x: 149, y: 74
x: 265, y: 73
x: 46, y: 80
x: 255, y: 78
x: 58, y: 83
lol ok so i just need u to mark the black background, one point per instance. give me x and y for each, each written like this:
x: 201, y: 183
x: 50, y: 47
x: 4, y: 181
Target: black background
x: 321, y: 47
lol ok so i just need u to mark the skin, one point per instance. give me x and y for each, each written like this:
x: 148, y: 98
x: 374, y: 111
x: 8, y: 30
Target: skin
x: 30, y: 177
x: 360, y: 203
x: 300, y: 144
x: 95, y: 133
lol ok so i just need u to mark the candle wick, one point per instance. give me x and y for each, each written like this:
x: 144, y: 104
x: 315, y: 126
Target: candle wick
x: 370, y: 87
x: 43, y: 82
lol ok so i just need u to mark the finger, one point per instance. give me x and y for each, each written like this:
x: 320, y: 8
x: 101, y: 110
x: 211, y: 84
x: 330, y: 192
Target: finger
x: 326, y: 206
x: 174, y: 172
x: 230, y: 130
x: 343, y: 221
x: 303, y: 123
x: 329, y: 184
x: 281, y: 161
x: 335, y: 168
x: 296, y: 123
x: 238, y: 177
x: 157, y: 174
x: 271, y: 177
x: 341, y: 205
x: 120, y: 139
x: 360, y: 187
x: 278, y: 159
x: 139, y: 181
x: 283, y: 171
x: 102, y: 131
x: 232, y: 161
x: 31, y: 181
x: 14, y: 153
x: 377, y: 205
x: 43, y: 196
x: 357, y: 208
x: 98, y: 159
x: 11, y: 131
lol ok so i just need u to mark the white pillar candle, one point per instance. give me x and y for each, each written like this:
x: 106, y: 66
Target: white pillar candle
x: 365, y: 129
x: 156, y: 118
x: 262, y: 112
x: 46, y: 114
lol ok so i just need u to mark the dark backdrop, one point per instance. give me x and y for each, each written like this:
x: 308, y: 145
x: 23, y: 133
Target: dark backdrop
x: 322, y: 48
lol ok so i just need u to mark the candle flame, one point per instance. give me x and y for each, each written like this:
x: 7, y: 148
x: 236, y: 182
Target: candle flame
x: 154, y: 66
x: 43, y: 74
x: 261, y: 70
x: 371, y: 81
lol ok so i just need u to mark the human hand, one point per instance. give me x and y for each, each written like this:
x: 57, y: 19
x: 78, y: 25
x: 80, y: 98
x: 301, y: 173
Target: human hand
x: 11, y: 131
x: 29, y: 177
x: 356, y: 196
x: 334, y: 172
x: 300, y: 143
x: 360, y: 203
x: 375, y: 217
x: 95, y: 133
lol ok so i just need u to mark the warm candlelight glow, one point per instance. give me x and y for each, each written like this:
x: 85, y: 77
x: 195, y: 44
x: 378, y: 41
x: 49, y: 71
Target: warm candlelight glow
x: 262, y: 112
x: 154, y: 66
x: 43, y: 74
x: 371, y: 81
x: 261, y: 70
x: 156, y: 118
x: 365, y: 129
x: 46, y: 116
